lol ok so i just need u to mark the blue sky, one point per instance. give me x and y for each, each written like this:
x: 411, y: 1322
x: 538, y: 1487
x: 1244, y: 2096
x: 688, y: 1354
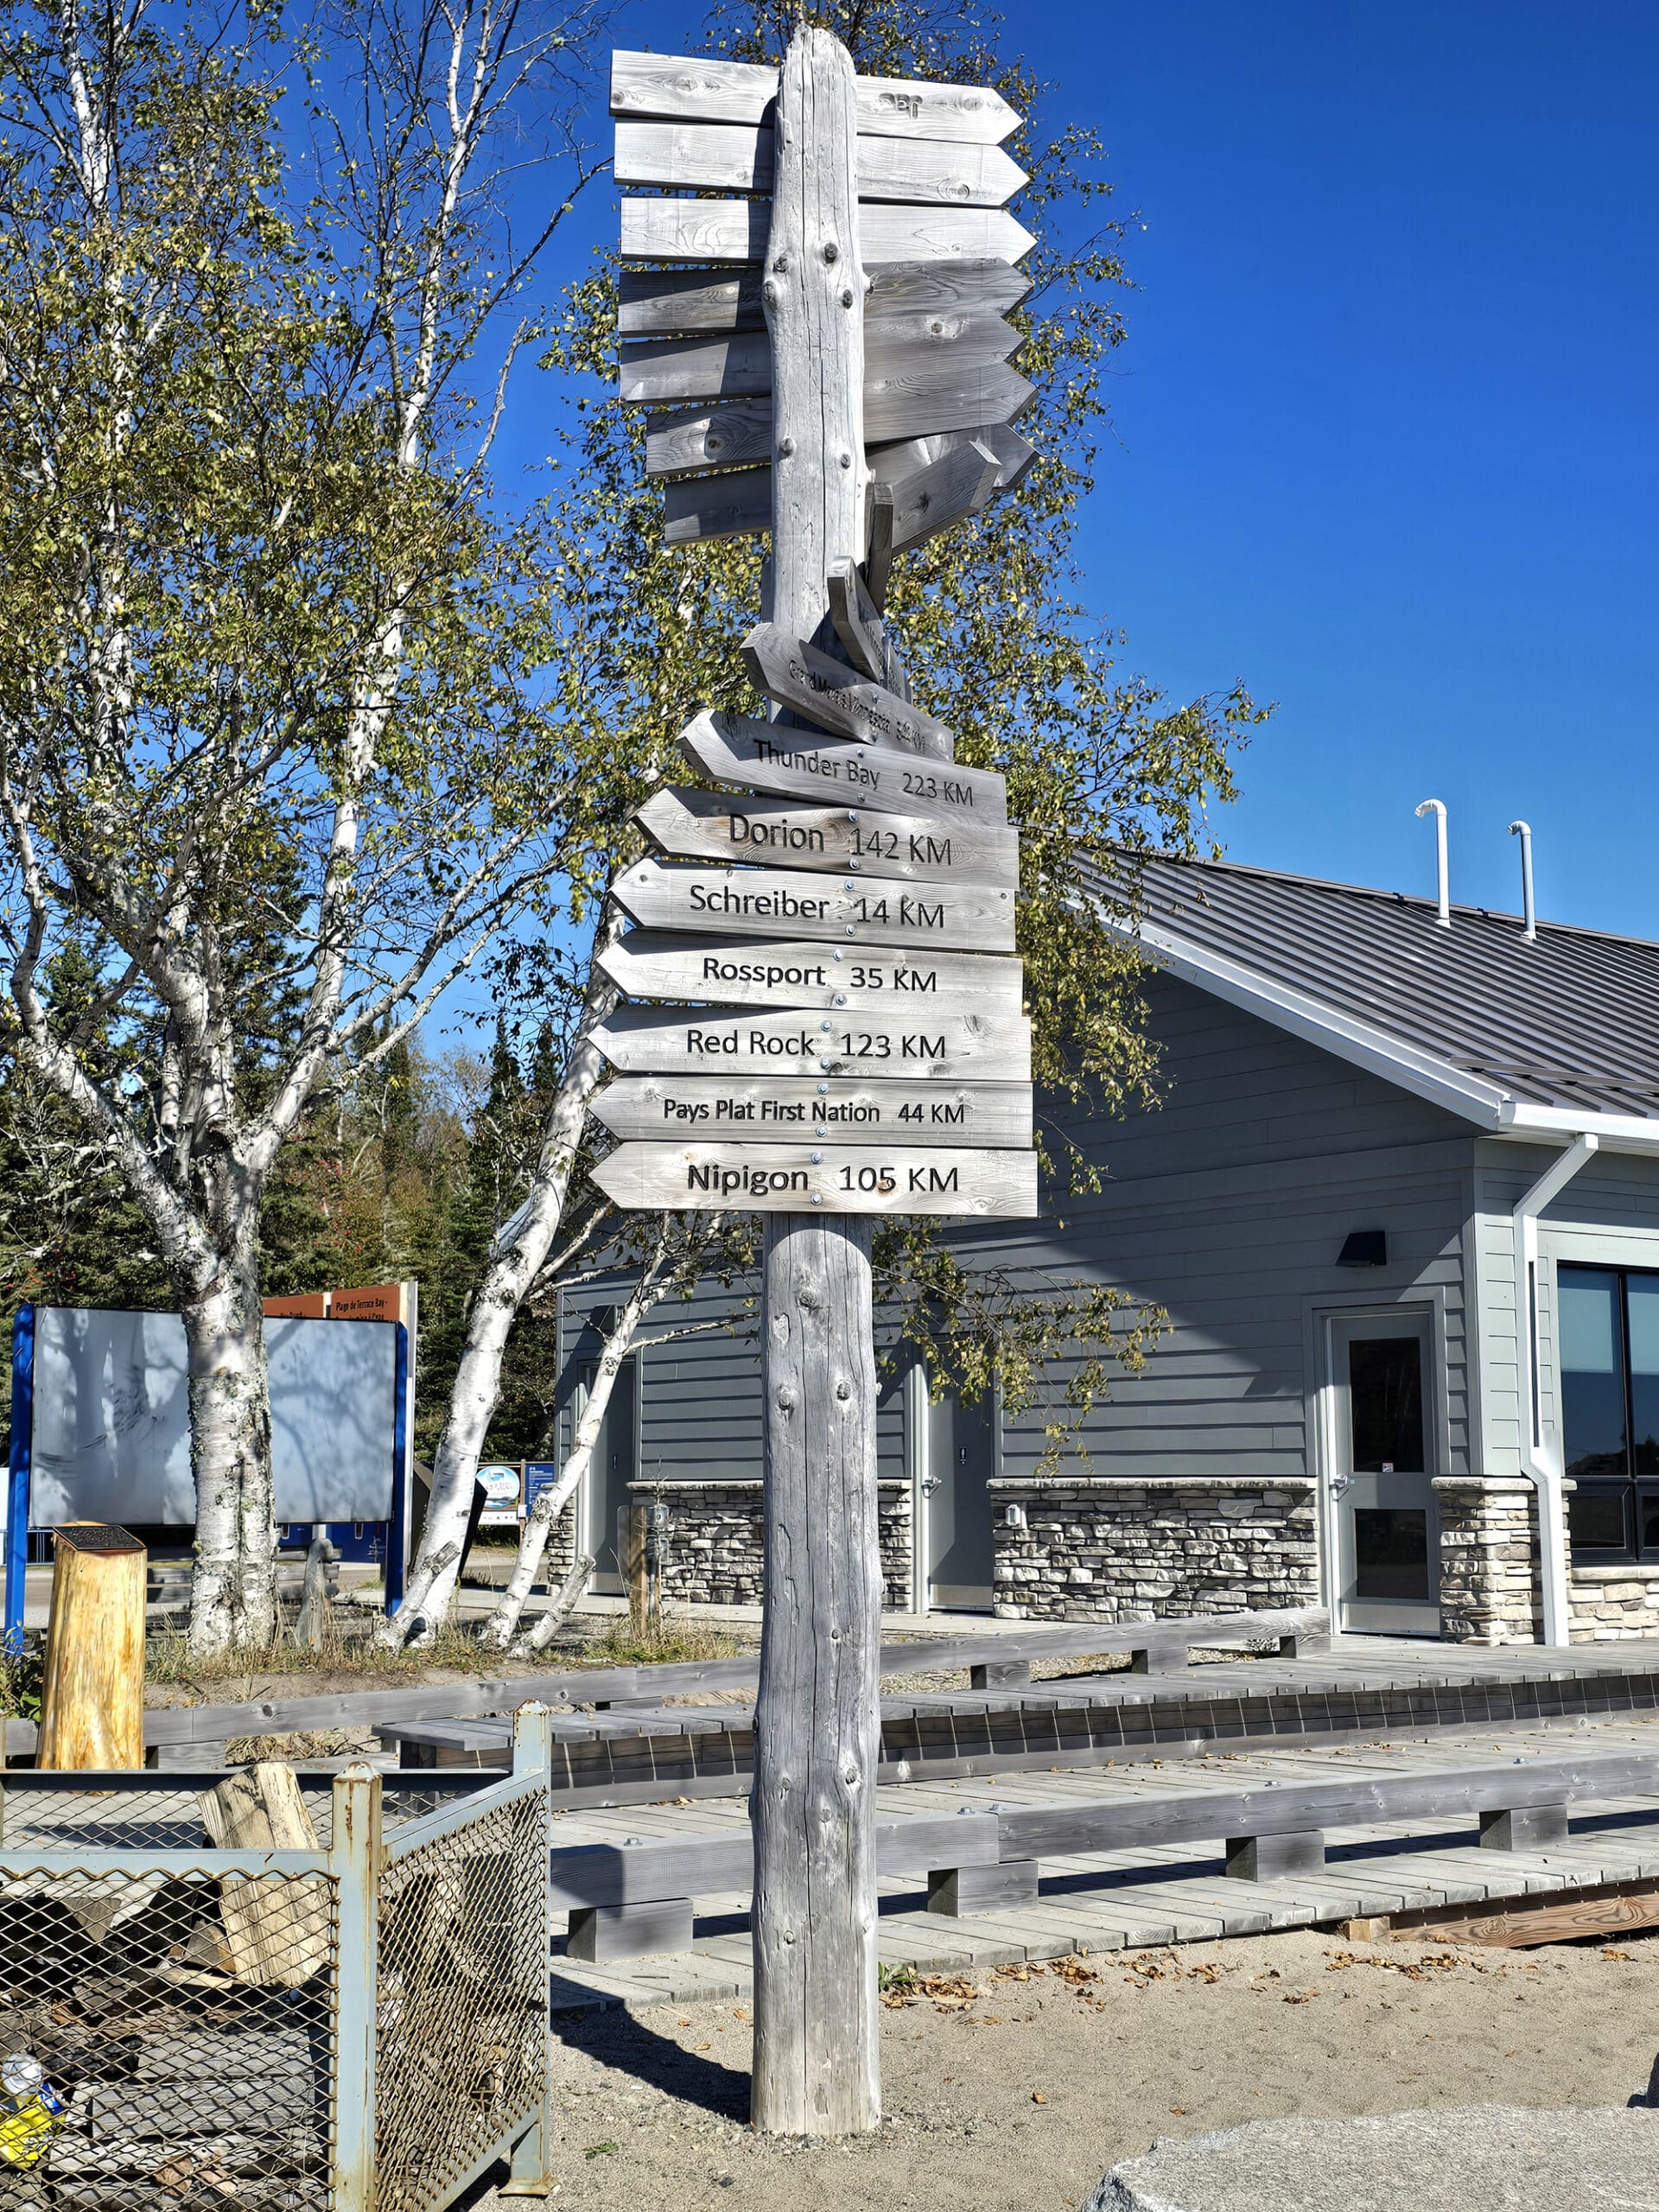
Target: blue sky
x: 1385, y: 419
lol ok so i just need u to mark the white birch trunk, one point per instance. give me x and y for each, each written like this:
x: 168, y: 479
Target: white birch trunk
x: 507, y: 1280
x: 234, y: 1590
x: 499, y: 1630
x: 817, y: 2068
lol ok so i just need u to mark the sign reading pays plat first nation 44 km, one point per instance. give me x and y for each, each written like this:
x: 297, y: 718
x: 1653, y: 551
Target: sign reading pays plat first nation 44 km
x: 833, y: 907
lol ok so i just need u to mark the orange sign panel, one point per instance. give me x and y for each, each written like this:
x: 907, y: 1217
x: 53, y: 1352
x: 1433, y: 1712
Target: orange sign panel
x: 309, y: 1305
x: 380, y: 1301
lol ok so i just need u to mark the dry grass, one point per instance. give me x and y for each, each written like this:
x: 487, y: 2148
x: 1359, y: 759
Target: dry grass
x: 619, y: 1644
x: 348, y: 1648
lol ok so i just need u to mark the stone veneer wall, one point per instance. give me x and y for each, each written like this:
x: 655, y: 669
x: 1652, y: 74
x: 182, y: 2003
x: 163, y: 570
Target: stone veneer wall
x: 1113, y: 1547
x: 1489, y: 1579
x: 1489, y: 1559
x: 715, y: 1544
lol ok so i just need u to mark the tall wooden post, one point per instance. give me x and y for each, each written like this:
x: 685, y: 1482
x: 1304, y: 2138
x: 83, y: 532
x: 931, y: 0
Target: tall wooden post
x: 817, y: 1720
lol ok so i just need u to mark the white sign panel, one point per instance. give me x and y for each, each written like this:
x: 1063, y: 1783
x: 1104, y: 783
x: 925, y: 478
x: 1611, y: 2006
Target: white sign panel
x: 112, y: 1434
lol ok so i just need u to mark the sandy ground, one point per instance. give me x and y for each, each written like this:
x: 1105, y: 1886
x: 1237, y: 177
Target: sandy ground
x: 1012, y: 2094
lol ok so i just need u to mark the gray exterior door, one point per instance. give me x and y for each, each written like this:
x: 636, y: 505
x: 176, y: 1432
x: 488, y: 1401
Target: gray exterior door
x: 1387, y: 1537
x: 609, y: 1475
x: 959, y: 1461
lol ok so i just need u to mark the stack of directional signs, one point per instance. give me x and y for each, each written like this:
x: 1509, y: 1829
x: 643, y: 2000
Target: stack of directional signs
x: 851, y: 1034
x: 939, y: 250
x: 860, y: 1044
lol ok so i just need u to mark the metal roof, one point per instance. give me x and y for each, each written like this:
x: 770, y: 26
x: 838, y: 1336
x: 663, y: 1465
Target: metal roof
x: 1570, y: 1021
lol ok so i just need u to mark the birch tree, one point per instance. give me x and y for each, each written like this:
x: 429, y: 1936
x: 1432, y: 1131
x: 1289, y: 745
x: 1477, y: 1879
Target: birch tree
x: 270, y: 647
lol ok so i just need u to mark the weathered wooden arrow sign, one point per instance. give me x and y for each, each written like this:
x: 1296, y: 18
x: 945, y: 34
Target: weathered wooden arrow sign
x: 677, y: 87
x: 886, y: 1112
x: 898, y: 464
x: 862, y: 632
x: 735, y: 230
x: 698, y: 825
x: 934, y: 393
x: 706, y: 156
x: 949, y: 344
x: 661, y: 302
x: 800, y: 972
x: 944, y: 1046
x: 739, y: 502
x: 767, y: 757
x: 863, y: 910
x: 919, y: 506
x: 839, y: 1178
x: 798, y: 676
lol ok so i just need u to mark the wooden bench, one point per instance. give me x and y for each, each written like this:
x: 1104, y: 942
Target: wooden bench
x: 626, y: 1900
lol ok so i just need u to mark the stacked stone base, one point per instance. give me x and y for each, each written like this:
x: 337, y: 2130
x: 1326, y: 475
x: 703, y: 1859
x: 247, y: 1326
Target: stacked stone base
x: 1490, y: 1587
x: 714, y: 1555
x: 1110, y: 1548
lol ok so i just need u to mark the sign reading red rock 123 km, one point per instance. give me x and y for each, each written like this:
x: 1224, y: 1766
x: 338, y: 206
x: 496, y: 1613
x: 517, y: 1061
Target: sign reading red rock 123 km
x: 828, y: 1007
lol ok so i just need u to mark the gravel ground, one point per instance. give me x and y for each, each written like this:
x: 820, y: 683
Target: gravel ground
x: 1015, y: 2093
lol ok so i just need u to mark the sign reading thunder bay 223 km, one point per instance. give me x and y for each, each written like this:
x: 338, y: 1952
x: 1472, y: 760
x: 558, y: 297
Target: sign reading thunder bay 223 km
x: 828, y: 1006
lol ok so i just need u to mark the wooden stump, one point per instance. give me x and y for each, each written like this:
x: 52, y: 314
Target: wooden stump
x: 92, y: 1703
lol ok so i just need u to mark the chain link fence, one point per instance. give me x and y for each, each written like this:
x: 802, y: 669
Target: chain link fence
x: 358, y: 2025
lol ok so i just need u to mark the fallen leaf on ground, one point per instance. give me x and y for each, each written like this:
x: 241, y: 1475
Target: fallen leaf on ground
x: 600, y: 2149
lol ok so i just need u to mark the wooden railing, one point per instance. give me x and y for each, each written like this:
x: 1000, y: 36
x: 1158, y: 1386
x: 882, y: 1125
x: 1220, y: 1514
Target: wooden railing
x: 194, y: 1734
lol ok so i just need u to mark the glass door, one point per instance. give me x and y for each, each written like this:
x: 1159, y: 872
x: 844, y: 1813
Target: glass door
x: 957, y: 1506
x: 608, y: 1476
x: 1387, y: 1537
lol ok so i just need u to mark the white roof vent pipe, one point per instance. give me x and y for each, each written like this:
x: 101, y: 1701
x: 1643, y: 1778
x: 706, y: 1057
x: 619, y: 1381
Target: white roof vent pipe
x: 1529, y: 912
x: 1437, y: 808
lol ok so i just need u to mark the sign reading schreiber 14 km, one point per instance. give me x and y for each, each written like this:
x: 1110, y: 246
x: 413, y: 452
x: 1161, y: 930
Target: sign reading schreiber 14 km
x: 833, y: 908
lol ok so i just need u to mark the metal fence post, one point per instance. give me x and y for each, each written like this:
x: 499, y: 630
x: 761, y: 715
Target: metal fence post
x: 532, y: 1754
x: 356, y: 1856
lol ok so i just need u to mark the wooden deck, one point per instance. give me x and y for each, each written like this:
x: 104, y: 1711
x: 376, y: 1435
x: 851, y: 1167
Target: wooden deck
x: 1154, y: 1894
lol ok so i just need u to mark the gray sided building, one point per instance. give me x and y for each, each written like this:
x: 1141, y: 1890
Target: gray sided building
x: 1399, y: 1203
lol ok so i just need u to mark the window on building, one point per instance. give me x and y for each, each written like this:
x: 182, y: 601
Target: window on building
x: 1608, y: 1333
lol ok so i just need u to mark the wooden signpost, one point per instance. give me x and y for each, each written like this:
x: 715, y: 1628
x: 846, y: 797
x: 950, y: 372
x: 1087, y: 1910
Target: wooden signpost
x: 835, y: 917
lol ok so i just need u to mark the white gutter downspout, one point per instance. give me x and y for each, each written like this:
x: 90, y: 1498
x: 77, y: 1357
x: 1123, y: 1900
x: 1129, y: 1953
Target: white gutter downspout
x: 1545, y: 1478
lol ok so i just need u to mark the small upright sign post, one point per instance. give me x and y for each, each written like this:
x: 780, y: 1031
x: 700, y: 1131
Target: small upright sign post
x: 838, y: 373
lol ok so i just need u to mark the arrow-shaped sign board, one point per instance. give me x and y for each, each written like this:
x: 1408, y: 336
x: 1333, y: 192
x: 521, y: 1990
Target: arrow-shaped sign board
x: 735, y: 230
x: 920, y: 1111
x: 932, y: 394
x: 740, y: 157
x: 664, y: 302
x: 801, y: 1177
x: 861, y: 911
x: 798, y: 676
x: 796, y: 972
x: 700, y: 825
x: 793, y: 764
x: 948, y: 1045
x: 700, y: 90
